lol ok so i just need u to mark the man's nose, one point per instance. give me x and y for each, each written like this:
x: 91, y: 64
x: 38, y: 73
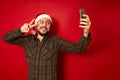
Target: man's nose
x: 44, y: 24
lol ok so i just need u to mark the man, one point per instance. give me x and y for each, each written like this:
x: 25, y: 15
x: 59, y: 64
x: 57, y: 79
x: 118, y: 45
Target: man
x: 41, y: 49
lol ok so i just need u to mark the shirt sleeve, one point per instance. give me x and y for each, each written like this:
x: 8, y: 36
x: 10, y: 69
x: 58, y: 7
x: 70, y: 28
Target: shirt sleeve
x: 80, y: 46
x: 15, y: 37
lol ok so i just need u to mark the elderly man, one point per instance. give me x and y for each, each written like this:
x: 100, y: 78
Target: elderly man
x: 41, y: 49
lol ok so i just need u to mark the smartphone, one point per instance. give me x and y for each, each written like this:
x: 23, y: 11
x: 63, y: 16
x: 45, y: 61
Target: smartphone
x: 82, y: 12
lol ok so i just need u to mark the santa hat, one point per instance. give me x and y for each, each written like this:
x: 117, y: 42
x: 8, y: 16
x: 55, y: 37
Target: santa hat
x: 41, y: 16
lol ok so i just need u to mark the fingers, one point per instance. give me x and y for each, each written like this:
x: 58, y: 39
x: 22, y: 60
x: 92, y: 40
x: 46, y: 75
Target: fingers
x: 31, y: 26
x: 86, y: 16
x: 24, y: 28
x: 32, y: 22
x: 82, y: 26
x: 85, y: 22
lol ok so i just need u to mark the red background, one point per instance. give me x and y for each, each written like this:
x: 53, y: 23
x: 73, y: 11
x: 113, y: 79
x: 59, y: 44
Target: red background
x: 101, y: 60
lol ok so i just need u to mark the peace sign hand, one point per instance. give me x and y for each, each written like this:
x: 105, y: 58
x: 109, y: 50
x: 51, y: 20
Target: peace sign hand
x: 26, y: 27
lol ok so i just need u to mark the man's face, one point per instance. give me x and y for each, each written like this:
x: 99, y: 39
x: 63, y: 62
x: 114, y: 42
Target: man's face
x: 43, y: 26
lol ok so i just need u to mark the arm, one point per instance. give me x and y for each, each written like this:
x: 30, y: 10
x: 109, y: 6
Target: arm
x: 16, y: 36
x: 64, y: 45
x: 79, y: 47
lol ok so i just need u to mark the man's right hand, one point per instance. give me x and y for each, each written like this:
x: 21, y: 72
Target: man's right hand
x: 26, y: 27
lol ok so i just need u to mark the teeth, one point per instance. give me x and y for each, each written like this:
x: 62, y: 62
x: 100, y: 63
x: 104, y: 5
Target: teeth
x: 43, y: 29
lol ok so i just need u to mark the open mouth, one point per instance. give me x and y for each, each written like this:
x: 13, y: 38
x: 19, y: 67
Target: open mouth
x: 43, y: 29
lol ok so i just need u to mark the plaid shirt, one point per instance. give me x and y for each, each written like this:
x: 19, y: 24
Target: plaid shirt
x: 42, y: 55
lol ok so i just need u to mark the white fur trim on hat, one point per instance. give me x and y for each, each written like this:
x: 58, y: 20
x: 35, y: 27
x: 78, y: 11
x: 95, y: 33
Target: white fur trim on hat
x: 43, y: 16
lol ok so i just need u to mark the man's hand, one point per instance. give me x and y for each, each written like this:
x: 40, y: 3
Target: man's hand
x: 26, y: 27
x: 85, y: 23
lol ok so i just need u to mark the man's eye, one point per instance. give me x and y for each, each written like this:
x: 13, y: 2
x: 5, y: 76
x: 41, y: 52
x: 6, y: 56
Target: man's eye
x: 48, y: 23
x: 40, y: 22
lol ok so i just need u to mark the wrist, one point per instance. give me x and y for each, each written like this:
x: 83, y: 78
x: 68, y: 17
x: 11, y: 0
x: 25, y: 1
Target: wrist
x: 86, y: 32
x: 21, y: 30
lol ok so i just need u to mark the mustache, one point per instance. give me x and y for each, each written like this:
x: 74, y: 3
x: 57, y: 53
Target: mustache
x: 41, y: 27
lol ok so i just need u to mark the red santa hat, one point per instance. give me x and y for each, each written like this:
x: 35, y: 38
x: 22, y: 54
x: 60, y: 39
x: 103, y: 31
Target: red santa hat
x: 41, y: 16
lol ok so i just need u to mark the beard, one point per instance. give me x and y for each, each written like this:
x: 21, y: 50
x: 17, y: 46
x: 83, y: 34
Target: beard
x: 42, y: 31
x: 43, y: 34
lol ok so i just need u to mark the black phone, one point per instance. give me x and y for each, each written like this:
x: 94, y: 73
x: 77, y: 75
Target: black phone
x: 82, y: 12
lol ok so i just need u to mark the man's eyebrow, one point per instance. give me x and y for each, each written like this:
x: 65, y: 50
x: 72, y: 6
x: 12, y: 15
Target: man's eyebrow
x: 48, y: 21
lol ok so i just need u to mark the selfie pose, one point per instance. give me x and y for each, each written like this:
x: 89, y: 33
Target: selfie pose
x: 41, y: 49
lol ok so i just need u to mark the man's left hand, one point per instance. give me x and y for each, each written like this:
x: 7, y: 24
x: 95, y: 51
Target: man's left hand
x: 85, y: 23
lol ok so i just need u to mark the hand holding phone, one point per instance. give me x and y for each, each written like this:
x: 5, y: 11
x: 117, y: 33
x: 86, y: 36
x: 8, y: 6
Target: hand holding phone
x: 82, y: 12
